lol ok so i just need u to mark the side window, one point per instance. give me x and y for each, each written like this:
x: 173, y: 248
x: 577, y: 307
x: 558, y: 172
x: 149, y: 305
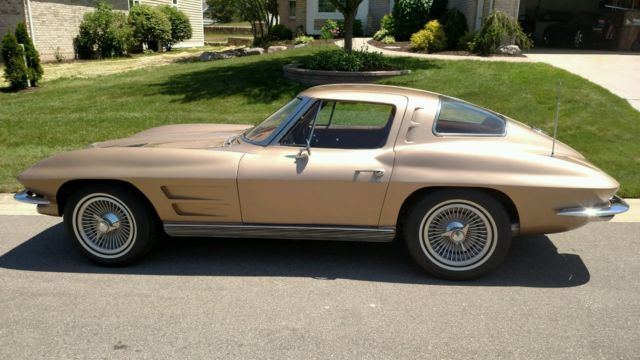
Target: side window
x: 459, y: 118
x: 343, y: 125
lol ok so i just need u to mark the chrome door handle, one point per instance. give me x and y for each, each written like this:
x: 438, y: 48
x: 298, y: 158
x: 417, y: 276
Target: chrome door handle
x: 375, y: 172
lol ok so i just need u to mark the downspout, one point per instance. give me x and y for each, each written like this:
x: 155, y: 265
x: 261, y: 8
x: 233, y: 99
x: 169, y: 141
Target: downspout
x: 479, y: 11
x: 30, y: 19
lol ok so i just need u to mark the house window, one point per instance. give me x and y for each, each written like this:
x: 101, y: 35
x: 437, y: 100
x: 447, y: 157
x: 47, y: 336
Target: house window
x: 292, y: 8
x: 325, y: 6
x: 174, y: 3
x: 133, y: 3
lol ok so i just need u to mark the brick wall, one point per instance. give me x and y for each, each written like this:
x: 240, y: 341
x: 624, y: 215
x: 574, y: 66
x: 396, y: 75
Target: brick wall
x: 296, y: 21
x: 56, y: 23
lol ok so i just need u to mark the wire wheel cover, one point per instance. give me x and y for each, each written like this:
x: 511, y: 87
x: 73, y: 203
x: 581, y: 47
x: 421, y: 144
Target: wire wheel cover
x: 104, y: 225
x: 458, y: 235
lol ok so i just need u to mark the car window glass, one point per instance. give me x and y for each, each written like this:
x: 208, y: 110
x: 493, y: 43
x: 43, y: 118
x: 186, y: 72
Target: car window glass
x: 262, y: 131
x: 343, y: 125
x: 456, y: 117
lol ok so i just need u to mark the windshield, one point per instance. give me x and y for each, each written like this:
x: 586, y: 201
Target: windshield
x: 262, y: 131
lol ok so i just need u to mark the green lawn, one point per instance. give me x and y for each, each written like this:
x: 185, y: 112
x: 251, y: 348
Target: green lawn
x: 70, y: 113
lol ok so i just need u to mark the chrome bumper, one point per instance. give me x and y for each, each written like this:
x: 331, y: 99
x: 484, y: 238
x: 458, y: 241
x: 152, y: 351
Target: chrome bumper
x: 605, y: 212
x: 31, y: 198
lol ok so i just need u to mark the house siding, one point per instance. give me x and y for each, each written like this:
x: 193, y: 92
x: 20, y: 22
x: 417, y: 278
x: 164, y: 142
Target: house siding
x: 468, y: 8
x: 11, y: 13
x: 56, y: 23
x: 377, y: 9
x: 193, y: 10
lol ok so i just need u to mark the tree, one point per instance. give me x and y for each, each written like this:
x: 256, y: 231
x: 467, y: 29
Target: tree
x: 349, y: 9
x: 180, y: 25
x: 15, y: 70
x: 223, y: 10
x: 34, y: 69
x: 150, y: 25
x: 262, y: 14
x: 103, y: 33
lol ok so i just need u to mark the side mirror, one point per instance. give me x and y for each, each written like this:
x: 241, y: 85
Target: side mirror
x: 304, y: 152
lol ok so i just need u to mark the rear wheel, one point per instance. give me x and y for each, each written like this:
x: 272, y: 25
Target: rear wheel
x: 110, y: 225
x: 458, y: 234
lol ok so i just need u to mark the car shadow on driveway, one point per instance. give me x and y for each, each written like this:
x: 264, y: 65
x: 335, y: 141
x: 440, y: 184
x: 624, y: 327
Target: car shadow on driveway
x: 532, y: 262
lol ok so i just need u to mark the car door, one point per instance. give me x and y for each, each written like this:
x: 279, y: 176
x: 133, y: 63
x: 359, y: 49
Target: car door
x: 342, y: 178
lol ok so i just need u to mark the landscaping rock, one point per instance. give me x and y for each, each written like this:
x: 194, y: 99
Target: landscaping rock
x: 299, y: 46
x: 511, y: 50
x: 276, y: 48
x: 251, y: 51
x: 208, y: 56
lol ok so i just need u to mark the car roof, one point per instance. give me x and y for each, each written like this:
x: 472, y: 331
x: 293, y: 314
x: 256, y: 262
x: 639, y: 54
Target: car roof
x: 325, y: 91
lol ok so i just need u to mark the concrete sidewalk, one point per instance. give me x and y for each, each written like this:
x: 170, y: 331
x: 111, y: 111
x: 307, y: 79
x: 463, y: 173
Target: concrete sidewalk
x: 8, y: 206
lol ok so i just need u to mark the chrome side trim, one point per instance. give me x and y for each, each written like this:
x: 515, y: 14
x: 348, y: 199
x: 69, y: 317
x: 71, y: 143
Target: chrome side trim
x: 29, y: 197
x: 604, y: 212
x: 301, y: 232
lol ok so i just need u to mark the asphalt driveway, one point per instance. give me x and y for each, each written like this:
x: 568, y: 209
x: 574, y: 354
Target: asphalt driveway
x: 567, y: 296
x: 618, y: 72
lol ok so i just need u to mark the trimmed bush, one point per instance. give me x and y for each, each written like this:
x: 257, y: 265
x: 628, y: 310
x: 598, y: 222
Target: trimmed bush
x: 497, y: 29
x: 409, y: 17
x: 103, y: 33
x: 381, y: 34
x: 329, y: 30
x: 431, y: 39
x: 455, y: 26
x: 389, y: 40
x: 280, y: 32
x: 467, y: 41
x: 15, y: 70
x: 180, y: 25
x: 34, y: 68
x: 150, y: 26
x: 387, y: 23
x: 340, y: 60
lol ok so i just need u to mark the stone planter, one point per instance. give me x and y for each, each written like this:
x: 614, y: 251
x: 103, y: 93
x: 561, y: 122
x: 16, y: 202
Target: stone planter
x: 319, y: 77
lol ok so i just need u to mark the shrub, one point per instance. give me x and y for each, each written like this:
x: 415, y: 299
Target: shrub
x: 302, y: 40
x: 497, y: 29
x: 409, y: 16
x: 150, y: 25
x: 438, y: 9
x: 103, y: 33
x: 381, y: 34
x: 329, y: 30
x: 15, y: 70
x: 387, y: 23
x: 34, y: 69
x: 280, y: 32
x: 389, y: 39
x: 180, y: 25
x: 431, y: 39
x: 455, y: 26
x: 467, y: 41
x: 357, y: 28
x: 340, y: 60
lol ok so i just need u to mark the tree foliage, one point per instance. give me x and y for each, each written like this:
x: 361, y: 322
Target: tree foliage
x: 15, y: 69
x: 499, y: 28
x: 103, y: 33
x: 180, y: 25
x: 223, y: 10
x: 410, y: 16
x: 150, y: 25
x: 262, y: 14
x: 34, y: 69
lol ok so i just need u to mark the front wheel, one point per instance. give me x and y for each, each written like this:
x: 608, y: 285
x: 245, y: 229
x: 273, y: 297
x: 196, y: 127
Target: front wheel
x: 458, y: 234
x: 110, y: 225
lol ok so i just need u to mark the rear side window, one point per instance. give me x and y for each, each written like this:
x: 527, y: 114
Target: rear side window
x: 459, y: 118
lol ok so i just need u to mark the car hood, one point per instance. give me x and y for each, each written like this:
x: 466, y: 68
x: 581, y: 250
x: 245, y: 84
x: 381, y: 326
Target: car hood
x: 185, y: 136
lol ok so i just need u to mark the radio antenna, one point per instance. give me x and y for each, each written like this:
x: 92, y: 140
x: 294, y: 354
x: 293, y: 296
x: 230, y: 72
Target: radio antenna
x: 555, y: 125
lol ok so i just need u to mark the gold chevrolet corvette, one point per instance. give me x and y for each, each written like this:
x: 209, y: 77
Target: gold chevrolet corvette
x: 339, y: 162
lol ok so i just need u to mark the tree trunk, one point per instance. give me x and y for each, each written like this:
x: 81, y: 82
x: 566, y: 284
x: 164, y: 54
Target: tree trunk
x: 348, y: 30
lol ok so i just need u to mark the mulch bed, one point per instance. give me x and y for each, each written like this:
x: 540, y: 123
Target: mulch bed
x: 403, y: 46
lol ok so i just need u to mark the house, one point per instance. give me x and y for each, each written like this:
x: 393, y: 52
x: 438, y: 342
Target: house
x: 53, y: 24
x: 308, y: 16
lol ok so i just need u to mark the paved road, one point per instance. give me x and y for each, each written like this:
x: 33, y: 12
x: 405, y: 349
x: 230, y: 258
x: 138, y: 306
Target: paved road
x: 573, y: 295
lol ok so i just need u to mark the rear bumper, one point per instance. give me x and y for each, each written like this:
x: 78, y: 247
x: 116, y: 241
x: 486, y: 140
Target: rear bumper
x: 604, y: 212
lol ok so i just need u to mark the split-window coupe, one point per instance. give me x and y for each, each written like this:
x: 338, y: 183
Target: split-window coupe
x: 338, y: 162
